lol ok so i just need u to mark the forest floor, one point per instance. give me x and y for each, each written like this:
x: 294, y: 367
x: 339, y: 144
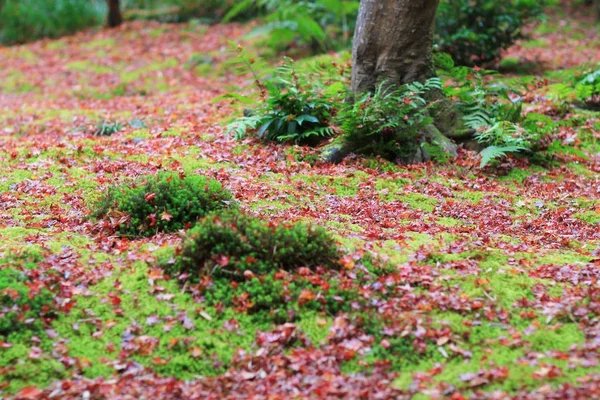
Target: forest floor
x: 494, y: 291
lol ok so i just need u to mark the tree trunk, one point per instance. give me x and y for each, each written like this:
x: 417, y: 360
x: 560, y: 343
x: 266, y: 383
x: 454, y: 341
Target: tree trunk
x: 393, y: 43
x: 114, y: 13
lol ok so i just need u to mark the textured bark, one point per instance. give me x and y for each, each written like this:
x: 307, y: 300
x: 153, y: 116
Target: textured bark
x: 393, y: 43
x: 114, y: 13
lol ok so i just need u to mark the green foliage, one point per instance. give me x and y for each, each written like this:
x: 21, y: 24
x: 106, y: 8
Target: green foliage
x: 476, y: 32
x: 294, y: 108
x: 26, y: 20
x: 281, y: 296
x: 163, y: 203
x: 227, y: 244
x: 20, y: 301
x: 107, y: 128
x: 180, y: 10
x: 587, y: 89
x: 493, y: 112
x: 322, y: 24
x: 387, y: 122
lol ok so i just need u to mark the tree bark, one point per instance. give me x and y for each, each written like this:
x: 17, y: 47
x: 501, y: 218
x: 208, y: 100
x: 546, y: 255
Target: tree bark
x: 393, y: 43
x: 114, y: 13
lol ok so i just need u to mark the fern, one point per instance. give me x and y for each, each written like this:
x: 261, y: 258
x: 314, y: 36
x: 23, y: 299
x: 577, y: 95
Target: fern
x: 490, y: 111
x: 491, y: 153
x: 387, y: 122
x: 240, y: 126
x: 293, y: 107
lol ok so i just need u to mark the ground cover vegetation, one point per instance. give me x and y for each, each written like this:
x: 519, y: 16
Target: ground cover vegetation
x: 168, y: 228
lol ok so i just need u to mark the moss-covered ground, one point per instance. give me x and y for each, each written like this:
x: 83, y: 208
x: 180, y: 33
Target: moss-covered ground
x: 491, y: 276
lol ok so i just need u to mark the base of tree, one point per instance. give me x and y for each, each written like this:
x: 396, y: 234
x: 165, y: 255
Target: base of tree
x: 447, y: 130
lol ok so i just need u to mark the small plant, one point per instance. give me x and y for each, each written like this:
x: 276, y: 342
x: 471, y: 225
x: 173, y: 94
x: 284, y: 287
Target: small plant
x: 587, y: 89
x: 494, y: 113
x: 230, y: 245
x: 388, y: 122
x: 476, y: 32
x: 163, y: 203
x: 107, y: 128
x: 20, y: 300
x: 293, y: 109
x: 25, y: 20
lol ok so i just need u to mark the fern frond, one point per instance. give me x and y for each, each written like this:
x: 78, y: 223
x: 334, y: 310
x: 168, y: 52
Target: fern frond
x: 495, y: 152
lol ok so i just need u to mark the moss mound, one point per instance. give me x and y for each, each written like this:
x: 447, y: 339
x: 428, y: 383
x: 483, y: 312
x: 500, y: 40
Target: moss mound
x: 166, y: 202
x: 229, y: 244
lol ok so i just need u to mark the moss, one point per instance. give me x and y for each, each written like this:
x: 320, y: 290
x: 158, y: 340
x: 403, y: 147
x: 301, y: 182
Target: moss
x: 341, y: 226
x: 99, y: 43
x: 315, y: 326
x: 139, y: 134
x: 388, y: 189
x: 16, y: 82
x: 448, y: 222
x: 531, y: 44
x: 133, y: 75
x: 471, y: 197
x: 590, y: 217
x: 341, y: 186
x: 87, y: 65
x: 192, y: 162
x: 519, y: 175
x: 20, y: 371
x: 190, y: 352
x: 488, y: 352
x: 419, y: 201
x: 269, y: 205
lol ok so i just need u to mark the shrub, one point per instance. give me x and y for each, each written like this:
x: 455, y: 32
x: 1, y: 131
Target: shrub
x: 26, y: 20
x: 20, y: 300
x: 163, y: 203
x: 321, y: 24
x: 387, y: 122
x: 475, y: 32
x: 176, y: 10
x: 293, y: 108
x: 228, y: 244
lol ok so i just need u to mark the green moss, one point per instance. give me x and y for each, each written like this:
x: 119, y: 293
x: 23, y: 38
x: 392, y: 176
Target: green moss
x: 419, y: 201
x: 388, y: 189
x: 314, y: 326
x: 341, y: 186
x: 341, y: 226
x: 519, y: 175
x: 591, y: 217
x: 87, y: 65
x: 99, y: 43
x: 471, y: 197
x: 488, y: 352
x: 132, y: 76
x: 166, y: 202
x: 20, y: 371
x: 531, y: 44
x: 448, y: 222
x: 16, y: 82
x: 269, y: 205
x: 190, y: 352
